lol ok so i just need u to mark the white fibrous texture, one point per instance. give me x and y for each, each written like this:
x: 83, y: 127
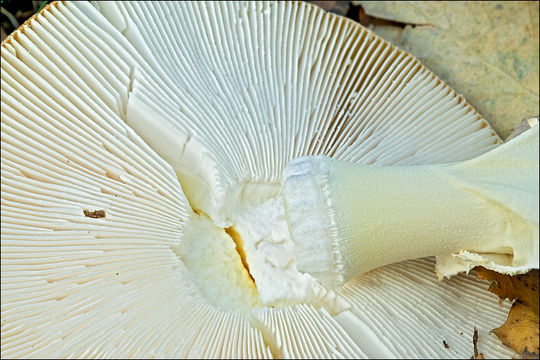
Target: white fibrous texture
x: 346, y: 218
x: 269, y: 249
x: 143, y: 145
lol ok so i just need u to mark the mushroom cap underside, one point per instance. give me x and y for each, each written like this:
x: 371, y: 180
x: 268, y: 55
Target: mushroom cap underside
x: 142, y: 114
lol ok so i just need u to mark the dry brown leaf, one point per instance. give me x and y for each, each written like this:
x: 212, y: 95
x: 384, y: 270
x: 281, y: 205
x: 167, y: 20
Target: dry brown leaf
x: 337, y: 7
x: 523, y: 287
x: 488, y: 51
x: 520, y: 331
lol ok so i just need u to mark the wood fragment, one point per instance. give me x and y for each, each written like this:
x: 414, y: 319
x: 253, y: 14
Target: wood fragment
x: 95, y: 214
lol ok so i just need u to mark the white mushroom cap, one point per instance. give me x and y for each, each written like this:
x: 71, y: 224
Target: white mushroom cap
x: 104, y: 104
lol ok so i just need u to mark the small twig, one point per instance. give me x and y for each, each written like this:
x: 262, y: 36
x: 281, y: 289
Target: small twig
x: 524, y: 125
x: 475, y: 342
x: 475, y: 345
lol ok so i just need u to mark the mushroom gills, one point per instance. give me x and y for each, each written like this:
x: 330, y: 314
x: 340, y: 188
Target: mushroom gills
x: 255, y: 90
x: 251, y: 210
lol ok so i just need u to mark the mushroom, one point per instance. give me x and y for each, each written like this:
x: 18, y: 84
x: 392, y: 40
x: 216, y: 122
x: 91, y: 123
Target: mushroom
x: 143, y: 145
x: 479, y: 212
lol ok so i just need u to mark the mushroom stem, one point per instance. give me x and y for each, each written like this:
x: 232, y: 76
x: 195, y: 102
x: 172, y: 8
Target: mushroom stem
x: 346, y: 219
